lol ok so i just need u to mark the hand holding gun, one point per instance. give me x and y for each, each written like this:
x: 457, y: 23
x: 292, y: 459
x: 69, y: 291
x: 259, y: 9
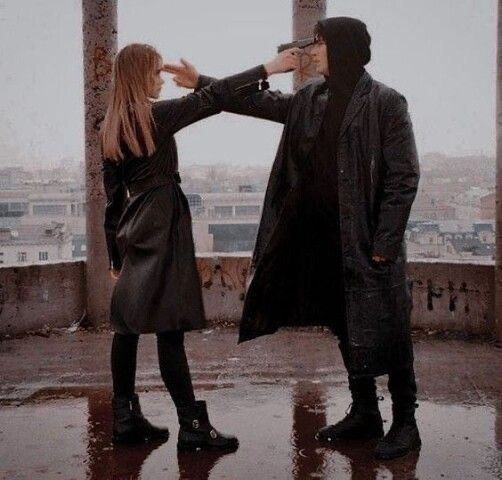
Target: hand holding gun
x: 302, y: 43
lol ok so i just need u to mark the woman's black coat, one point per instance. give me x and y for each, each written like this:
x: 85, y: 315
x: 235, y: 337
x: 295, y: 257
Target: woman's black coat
x: 149, y: 231
x: 378, y: 175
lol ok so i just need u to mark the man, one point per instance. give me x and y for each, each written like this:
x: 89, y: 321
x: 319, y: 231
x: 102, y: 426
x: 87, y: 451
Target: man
x: 330, y: 248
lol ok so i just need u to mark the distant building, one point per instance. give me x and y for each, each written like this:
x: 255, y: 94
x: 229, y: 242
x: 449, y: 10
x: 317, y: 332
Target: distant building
x: 424, y: 240
x: 485, y: 232
x: 426, y: 207
x: 56, y: 200
x: 233, y: 237
x: 468, y: 248
x: 79, y: 246
x: 13, y: 177
x: 28, y: 244
x: 38, y: 219
x: 226, y: 222
x: 451, y: 240
x: 487, y: 207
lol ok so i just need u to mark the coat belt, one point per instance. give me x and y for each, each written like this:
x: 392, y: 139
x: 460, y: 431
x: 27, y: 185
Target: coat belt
x: 151, y: 182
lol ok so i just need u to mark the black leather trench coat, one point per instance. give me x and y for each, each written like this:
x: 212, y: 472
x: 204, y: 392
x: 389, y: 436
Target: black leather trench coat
x: 149, y: 231
x: 378, y: 179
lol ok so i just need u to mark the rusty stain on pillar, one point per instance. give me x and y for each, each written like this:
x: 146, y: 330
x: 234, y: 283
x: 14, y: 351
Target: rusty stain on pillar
x: 498, y: 258
x: 306, y: 14
x: 99, y: 23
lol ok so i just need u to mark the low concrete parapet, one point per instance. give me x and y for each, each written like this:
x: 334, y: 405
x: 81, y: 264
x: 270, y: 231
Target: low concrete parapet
x: 453, y: 296
x: 223, y: 285
x: 446, y: 296
x: 35, y: 296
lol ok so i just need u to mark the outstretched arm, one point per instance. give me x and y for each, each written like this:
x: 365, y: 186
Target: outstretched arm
x: 173, y: 115
x: 249, y: 99
x: 265, y: 104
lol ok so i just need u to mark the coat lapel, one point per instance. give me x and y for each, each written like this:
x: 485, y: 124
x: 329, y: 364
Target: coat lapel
x: 356, y: 102
x: 312, y: 120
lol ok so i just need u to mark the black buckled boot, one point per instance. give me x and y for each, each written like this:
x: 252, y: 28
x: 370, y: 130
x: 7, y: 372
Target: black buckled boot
x: 124, y: 426
x: 197, y: 433
x: 403, y: 436
x: 151, y: 432
x: 129, y: 424
x: 363, y: 421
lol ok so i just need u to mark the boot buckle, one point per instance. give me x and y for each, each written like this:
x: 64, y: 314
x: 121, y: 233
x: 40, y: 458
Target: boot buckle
x: 195, y: 424
x: 213, y: 434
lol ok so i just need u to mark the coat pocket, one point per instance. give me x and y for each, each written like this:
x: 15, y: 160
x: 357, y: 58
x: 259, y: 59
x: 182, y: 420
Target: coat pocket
x: 370, y: 316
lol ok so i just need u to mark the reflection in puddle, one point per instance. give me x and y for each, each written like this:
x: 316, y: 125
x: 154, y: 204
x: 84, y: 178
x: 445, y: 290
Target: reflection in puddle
x: 309, y: 415
x: 104, y: 459
x: 66, y: 434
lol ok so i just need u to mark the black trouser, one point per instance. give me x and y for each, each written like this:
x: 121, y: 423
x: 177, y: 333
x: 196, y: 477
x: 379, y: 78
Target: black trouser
x: 172, y: 362
x: 401, y: 383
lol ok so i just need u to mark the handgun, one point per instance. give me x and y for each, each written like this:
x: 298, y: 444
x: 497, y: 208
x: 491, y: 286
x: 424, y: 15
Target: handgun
x: 302, y: 43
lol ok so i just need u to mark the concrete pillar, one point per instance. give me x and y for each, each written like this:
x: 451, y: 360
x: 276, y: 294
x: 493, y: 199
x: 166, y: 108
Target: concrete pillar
x: 498, y: 260
x: 306, y: 13
x: 99, y: 22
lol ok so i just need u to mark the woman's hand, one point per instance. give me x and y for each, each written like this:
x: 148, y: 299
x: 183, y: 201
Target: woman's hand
x: 114, y: 273
x: 185, y: 74
x: 286, y: 61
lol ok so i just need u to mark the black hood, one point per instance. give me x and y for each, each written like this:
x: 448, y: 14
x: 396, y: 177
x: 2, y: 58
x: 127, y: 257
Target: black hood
x: 348, y: 43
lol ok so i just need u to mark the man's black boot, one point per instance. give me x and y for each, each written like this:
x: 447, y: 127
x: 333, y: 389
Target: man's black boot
x: 197, y: 433
x: 363, y: 421
x: 403, y: 436
x: 149, y: 431
x: 129, y: 424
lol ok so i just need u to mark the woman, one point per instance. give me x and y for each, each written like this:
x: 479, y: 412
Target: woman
x: 149, y: 238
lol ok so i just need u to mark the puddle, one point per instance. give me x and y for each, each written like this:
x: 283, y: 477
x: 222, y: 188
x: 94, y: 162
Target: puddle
x: 66, y: 434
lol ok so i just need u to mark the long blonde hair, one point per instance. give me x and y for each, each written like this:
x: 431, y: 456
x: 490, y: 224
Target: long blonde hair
x: 129, y: 116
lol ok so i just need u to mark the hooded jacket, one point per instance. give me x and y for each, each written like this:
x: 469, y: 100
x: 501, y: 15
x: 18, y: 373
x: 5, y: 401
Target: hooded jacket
x: 348, y: 48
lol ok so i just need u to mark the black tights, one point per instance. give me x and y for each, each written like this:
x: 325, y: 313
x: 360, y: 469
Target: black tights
x: 172, y: 362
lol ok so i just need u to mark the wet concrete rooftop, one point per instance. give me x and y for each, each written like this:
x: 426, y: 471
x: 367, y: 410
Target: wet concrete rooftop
x: 273, y: 393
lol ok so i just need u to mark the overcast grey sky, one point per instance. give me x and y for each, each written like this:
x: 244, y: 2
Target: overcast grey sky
x: 439, y: 53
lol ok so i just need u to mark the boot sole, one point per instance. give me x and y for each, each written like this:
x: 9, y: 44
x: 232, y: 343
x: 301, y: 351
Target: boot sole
x: 368, y: 436
x: 349, y: 439
x: 135, y: 440
x: 194, y: 447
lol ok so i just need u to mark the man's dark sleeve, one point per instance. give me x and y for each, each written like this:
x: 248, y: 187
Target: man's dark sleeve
x: 253, y: 102
x: 400, y: 178
x: 116, y: 196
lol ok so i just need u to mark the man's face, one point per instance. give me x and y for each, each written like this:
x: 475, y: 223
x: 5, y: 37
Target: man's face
x: 319, y: 54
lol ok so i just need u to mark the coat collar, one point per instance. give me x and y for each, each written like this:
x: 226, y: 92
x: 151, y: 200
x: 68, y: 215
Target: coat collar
x: 357, y: 100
